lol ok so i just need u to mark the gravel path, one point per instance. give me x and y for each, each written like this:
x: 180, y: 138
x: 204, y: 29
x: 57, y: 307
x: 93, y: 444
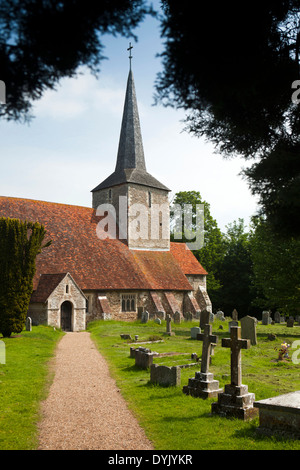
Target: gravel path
x: 84, y: 409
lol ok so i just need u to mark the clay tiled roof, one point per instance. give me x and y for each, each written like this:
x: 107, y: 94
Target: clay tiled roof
x: 186, y: 260
x: 98, y: 264
x: 46, y: 285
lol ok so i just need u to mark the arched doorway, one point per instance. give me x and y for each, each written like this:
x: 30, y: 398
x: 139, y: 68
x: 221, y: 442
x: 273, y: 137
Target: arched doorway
x: 66, y: 316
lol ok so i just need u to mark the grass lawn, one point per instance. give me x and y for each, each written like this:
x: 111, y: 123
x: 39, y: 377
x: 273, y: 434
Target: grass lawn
x: 174, y: 421
x: 23, y: 384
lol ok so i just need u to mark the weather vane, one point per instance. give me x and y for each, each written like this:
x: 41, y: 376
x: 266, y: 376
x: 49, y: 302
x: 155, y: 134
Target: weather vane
x: 130, y: 56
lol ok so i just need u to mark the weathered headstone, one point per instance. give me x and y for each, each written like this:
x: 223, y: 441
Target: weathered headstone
x: 161, y: 315
x: 235, y: 401
x: 144, y: 358
x: 125, y: 336
x: 220, y: 315
x: 145, y: 317
x: 164, y: 375
x: 169, y: 331
x: 280, y: 414
x: 232, y: 323
x: 188, y: 316
x: 248, y: 325
x: 195, y: 331
x: 203, y: 385
x: 28, y: 324
x: 177, y: 317
x: 235, y: 315
x: 158, y: 321
x: 204, y: 318
x: 266, y: 318
x: 277, y: 317
x: 290, y: 322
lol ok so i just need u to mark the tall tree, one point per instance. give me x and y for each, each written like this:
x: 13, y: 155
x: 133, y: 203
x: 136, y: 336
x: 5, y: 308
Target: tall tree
x: 231, y: 66
x: 20, y: 242
x: 236, y: 271
x: 276, y: 268
x: 211, y: 254
x: 42, y: 41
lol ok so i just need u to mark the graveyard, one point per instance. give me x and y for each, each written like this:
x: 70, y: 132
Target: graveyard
x: 177, y: 420
x: 173, y: 416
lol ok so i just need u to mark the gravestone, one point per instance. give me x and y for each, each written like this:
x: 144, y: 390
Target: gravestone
x: 28, y: 324
x: 232, y: 323
x: 277, y: 317
x: 220, y: 315
x: 144, y: 358
x: 169, y: 331
x: 235, y: 315
x: 158, y: 321
x: 145, y: 317
x: 266, y: 318
x: 290, y: 322
x: 203, y: 385
x: 188, y: 316
x: 161, y: 315
x: 177, y: 317
x: 211, y: 317
x: 248, y: 325
x: 124, y: 336
x: 204, y: 318
x: 235, y: 401
x: 164, y: 375
x: 280, y: 414
x: 195, y: 331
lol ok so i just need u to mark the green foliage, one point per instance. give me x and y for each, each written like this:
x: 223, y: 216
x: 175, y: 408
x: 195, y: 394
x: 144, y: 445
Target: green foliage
x: 276, y: 268
x: 236, y: 271
x: 20, y: 242
x: 213, y: 250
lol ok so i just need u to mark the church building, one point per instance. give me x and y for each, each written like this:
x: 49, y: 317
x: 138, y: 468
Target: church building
x: 115, y: 259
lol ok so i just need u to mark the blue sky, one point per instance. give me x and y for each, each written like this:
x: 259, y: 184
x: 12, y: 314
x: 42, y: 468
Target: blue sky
x: 71, y: 144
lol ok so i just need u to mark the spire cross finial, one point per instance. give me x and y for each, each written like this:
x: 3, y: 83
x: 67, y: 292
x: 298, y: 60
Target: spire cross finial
x: 130, y: 56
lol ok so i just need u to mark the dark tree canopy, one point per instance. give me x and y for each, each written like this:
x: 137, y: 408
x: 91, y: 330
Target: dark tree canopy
x: 42, y: 41
x: 231, y: 67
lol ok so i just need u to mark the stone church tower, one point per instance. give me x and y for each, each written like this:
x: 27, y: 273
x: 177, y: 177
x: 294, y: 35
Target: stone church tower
x: 140, y: 201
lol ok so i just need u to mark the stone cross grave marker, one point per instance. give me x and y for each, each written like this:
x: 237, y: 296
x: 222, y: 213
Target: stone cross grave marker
x: 208, y: 339
x: 169, y: 331
x: 235, y: 343
x: 204, y: 318
x: 235, y: 315
x: 235, y: 400
x: 203, y: 385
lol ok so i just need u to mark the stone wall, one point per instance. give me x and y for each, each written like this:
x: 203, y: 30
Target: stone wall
x: 143, y: 300
x: 153, y: 236
x: 156, y: 231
